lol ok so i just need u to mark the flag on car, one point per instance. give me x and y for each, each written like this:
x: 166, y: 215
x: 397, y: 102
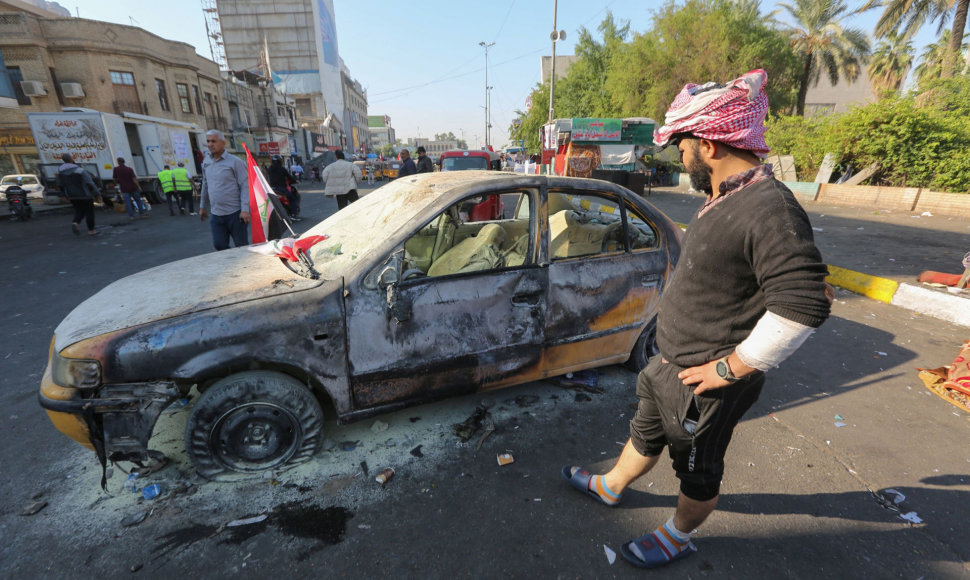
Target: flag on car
x: 260, y: 207
x: 287, y: 248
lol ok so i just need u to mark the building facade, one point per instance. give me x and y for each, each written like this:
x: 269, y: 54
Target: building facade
x: 260, y: 116
x: 355, y: 115
x: 57, y: 62
x: 432, y: 147
x: 381, y: 131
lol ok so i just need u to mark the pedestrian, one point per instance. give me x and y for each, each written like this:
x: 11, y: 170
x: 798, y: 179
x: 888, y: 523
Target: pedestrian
x: 297, y: 171
x: 340, y: 180
x: 316, y: 173
x: 225, y: 191
x: 407, y: 164
x: 282, y: 182
x: 183, y: 185
x: 124, y: 176
x: 80, y: 189
x: 716, y: 340
x: 167, y: 183
x: 424, y: 162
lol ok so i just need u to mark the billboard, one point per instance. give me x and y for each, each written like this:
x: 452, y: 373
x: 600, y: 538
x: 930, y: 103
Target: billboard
x: 328, y: 55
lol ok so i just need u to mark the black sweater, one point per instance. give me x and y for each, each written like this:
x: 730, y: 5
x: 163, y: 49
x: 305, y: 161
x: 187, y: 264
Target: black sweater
x: 751, y: 252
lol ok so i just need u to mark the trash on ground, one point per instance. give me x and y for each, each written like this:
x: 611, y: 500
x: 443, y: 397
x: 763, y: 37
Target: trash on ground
x: 246, y: 521
x: 385, y: 475
x: 610, y: 554
x: 489, y: 429
x: 583, y: 380
x: 880, y: 353
x: 817, y: 230
x: 349, y: 445
x: 899, y: 497
x: 838, y: 417
x: 131, y: 483
x: 505, y: 458
x: 364, y: 469
x: 839, y: 424
x: 151, y: 491
x: 134, y: 519
x: 911, y: 517
x: 33, y: 508
x: 926, y: 214
x: 378, y: 426
x: 467, y: 429
x: 417, y: 451
x: 951, y: 383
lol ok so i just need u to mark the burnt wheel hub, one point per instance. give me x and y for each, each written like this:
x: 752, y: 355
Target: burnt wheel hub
x: 254, y: 437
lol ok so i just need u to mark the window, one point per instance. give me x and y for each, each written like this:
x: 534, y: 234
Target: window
x: 198, y: 101
x: 162, y: 95
x: 641, y: 235
x: 472, y: 236
x: 122, y: 78
x: 583, y: 225
x: 183, y: 91
x: 15, y: 77
x: 211, y: 104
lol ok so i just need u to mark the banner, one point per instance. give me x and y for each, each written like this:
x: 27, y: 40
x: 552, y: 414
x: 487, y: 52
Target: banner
x: 259, y: 205
x: 596, y: 129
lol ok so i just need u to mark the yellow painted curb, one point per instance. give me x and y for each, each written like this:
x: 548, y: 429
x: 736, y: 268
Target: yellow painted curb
x: 880, y: 289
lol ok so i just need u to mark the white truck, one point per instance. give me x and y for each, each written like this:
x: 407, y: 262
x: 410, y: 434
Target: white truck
x: 96, y: 138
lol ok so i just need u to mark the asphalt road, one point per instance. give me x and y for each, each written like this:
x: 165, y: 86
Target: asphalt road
x: 795, y: 502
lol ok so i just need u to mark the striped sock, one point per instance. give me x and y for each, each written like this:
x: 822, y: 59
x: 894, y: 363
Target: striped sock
x: 671, y: 540
x: 597, y: 484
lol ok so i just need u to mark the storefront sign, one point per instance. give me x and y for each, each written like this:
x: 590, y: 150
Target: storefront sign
x: 596, y: 129
x: 16, y: 138
x: 269, y: 148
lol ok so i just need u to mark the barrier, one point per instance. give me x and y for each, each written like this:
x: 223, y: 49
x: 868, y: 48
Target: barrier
x: 869, y: 196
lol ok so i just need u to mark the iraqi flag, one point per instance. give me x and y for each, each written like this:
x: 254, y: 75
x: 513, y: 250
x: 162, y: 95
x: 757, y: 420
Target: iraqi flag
x: 259, y: 203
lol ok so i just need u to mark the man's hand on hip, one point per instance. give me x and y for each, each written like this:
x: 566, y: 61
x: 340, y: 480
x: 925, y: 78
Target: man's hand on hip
x: 705, y: 377
x: 244, y: 216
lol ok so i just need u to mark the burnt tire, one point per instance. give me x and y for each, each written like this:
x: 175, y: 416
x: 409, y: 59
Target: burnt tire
x: 645, y: 347
x: 252, y: 422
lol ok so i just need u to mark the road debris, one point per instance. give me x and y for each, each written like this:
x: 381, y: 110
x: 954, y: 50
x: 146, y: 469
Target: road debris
x: 417, y: 451
x: 364, y: 469
x: 246, y: 521
x: 505, y: 458
x: 134, y: 519
x: 610, y: 554
x: 467, y: 429
x: 385, y: 475
x: 951, y: 383
x: 489, y: 429
x: 911, y: 517
x: 151, y: 491
x: 580, y: 380
x: 378, y: 426
x: 33, y: 508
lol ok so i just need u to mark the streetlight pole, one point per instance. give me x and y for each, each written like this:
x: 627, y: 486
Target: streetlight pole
x: 487, y: 124
x: 556, y: 35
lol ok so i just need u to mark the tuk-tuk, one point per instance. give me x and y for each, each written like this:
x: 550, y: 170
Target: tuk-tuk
x: 391, y: 167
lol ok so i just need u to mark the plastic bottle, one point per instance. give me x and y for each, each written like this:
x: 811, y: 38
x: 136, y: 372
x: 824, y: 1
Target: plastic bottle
x: 151, y: 491
x: 131, y: 484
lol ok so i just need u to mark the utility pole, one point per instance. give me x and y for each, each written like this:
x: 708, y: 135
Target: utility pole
x: 487, y: 124
x: 555, y: 36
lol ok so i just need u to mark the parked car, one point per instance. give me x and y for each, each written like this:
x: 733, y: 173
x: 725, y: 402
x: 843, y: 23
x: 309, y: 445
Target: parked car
x: 436, y: 305
x: 29, y: 182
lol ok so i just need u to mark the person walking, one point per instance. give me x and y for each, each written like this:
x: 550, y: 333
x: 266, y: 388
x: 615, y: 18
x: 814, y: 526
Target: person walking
x: 340, y: 180
x: 80, y: 189
x: 225, y: 192
x: 424, y: 162
x: 297, y: 171
x: 124, y: 176
x: 282, y: 182
x: 407, y: 164
x: 167, y: 182
x: 716, y: 340
x: 183, y: 185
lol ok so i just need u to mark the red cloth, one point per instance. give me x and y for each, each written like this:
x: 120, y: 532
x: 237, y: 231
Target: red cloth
x: 733, y: 113
x: 259, y: 205
x: 290, y: 247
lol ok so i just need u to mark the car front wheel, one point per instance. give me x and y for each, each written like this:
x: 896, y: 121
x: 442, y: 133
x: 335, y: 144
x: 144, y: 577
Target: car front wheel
x: 645, y: 347
x: 251, y: 422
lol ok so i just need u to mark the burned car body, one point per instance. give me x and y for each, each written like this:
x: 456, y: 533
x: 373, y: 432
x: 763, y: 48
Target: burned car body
x: 413, y: 302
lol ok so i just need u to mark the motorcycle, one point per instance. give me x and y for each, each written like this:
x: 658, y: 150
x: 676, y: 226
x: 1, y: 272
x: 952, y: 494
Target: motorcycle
x: 19, y: 204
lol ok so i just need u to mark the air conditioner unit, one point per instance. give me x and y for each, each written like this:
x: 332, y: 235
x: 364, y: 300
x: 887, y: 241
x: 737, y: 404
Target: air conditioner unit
x: 33, y: 88
x: 72, y: 90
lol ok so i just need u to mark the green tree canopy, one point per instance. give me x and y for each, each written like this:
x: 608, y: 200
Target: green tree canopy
x: 890, y: 62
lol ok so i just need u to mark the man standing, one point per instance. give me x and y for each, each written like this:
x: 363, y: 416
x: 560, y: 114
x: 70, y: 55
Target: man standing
x: 716, y: 339
x: 407, y: 164
x: 167, y: 183
x: 424, y: 162
x: 297, y: 170
x: 225, y: 191
x: 124, y: 176
x: 183, y: 185
x: 78, y: 187
x: 282, y: 182
x: 340, y: 180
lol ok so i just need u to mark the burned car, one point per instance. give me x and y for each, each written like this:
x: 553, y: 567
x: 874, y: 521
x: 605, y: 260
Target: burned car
x: 407, y: 300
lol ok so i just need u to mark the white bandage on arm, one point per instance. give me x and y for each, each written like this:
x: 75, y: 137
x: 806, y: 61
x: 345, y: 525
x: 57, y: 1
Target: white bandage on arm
x: 773, y: 340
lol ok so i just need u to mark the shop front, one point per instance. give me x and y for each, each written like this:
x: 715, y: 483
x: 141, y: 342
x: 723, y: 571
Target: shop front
x: 18, y: 154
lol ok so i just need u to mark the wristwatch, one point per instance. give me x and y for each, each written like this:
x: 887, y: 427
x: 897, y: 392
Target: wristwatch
x: 724, y: 370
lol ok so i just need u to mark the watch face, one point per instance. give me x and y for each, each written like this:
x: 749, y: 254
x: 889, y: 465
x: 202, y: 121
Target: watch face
x: 722, y: 369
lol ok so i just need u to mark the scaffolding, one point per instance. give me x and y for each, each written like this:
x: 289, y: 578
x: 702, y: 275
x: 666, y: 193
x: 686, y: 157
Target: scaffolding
x: 214, y: 31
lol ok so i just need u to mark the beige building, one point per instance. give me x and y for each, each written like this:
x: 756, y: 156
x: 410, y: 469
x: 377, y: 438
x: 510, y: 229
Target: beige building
x: 826, y: 98
x: 432, y: 147
x: 357, y: 128
x: 55, y: 62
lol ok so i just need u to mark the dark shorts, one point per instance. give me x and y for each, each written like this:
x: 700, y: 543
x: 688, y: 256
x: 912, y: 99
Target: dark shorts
x: 664, y: 418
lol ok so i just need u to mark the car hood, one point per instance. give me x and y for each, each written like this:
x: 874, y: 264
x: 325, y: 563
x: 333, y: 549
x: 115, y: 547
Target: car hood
x: 190, y: 285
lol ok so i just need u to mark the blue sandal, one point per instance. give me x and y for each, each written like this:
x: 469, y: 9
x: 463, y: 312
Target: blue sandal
x: 580, y: 480
x: 650, y: 552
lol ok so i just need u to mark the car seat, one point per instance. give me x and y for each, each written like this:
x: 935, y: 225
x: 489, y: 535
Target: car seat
x: 472, y: 254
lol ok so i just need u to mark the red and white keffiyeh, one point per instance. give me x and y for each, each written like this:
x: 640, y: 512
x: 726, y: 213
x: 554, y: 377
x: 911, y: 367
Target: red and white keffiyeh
x: 733, y: 113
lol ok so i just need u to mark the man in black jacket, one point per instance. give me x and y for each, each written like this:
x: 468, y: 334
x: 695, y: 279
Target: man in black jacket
x: 748, y: 290
x: 424, y: 162
x: 79, y: 188
x: 283, y: 184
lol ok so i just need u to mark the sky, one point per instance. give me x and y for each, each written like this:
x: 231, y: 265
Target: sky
x: 421, y: 63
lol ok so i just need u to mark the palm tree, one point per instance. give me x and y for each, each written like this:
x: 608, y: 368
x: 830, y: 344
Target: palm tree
x: 910, y: 15
x: 931, y: 61
x: 890, y: 62
x: 823, y: 44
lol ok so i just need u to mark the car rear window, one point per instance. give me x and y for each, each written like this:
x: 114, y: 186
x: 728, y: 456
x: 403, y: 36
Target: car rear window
x: 463, y: 163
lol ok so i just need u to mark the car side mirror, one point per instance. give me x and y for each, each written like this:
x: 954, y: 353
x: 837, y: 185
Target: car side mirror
x: 397, y: 306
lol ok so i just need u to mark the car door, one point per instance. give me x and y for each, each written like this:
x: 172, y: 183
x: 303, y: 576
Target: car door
x: 459, y: 326
x: 606, y: 271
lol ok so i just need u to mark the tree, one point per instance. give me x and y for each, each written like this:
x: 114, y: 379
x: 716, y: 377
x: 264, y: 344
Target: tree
x: 890, y: 62
x: 583, y: 92
x: 388, y: 151
x: 910, y: 15
x: 823, y: 44
x: 931, y: 61
x: 698, y: 42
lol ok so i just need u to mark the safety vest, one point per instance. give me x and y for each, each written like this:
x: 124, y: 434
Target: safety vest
x: 165, y: 178
x: 182, y: 181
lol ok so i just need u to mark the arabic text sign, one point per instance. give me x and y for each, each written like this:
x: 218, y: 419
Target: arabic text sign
x: 270, y: 148
x: 596, y: 129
